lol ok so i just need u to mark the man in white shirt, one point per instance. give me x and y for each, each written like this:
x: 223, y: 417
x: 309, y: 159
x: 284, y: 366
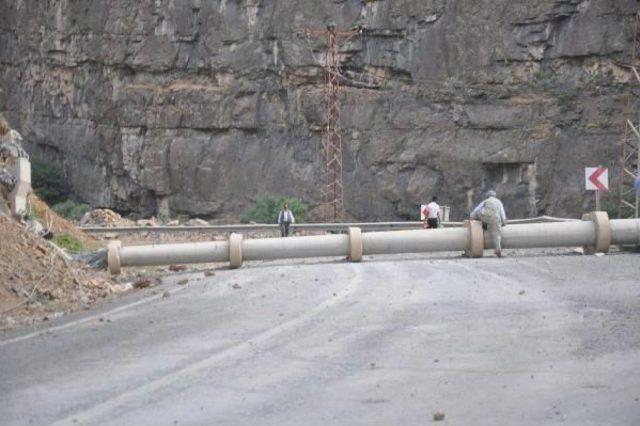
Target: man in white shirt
x: 432, y: 214
x: 491, y: 213
x: 285, y: 218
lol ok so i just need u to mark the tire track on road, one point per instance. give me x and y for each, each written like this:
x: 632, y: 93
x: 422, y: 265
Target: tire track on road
x: 90, y: 318
x: 133, y: 397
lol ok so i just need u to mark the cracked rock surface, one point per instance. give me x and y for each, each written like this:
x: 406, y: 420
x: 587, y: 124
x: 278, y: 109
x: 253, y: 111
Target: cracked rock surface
x: 198, y: 106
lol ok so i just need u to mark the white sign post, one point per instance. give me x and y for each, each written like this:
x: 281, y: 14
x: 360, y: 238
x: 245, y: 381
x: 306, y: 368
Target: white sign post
x: 596, y: 179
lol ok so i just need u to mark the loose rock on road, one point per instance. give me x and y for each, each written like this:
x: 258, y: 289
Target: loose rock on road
x: 522, y: 340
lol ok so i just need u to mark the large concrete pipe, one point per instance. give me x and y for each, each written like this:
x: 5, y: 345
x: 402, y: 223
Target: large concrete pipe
x: 162, y: 254
x: 454, y: 239
x: 296, y: 247
x: 625, y: 232
x: 165, y: 254
x: 596, y: 233
x: 545, y: 235
x: 235, y: 251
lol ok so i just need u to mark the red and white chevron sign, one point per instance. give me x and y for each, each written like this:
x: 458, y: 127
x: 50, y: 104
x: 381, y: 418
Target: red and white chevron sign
x: 596, y: 178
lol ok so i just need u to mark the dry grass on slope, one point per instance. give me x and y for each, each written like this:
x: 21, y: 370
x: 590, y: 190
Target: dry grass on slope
x: 37, y: 282
x: 60, y: 225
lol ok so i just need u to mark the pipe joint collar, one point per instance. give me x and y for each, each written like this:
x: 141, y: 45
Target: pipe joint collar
x: 235, y: 250
x: 475, y: 241
x: 355, y: 244
x: 113, y: 257
x: 603, y: 232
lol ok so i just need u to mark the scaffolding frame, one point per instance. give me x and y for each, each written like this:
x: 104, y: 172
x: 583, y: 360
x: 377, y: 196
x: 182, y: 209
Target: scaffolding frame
x: 332, y: 186
x: 629, y: 205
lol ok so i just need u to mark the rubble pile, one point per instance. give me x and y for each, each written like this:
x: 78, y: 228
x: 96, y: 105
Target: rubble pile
x: 152, y: 221
x: 39, y: 282
x: 52, y: 222
x: 197, y: 222
x: 38, y: 279
x: 104, y: 217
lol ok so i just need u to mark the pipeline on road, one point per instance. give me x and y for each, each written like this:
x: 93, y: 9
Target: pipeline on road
x: 595, y: 232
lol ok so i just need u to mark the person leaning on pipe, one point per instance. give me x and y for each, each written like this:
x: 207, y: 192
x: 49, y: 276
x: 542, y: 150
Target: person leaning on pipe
x: 491, y: 213
x: 285, y: 218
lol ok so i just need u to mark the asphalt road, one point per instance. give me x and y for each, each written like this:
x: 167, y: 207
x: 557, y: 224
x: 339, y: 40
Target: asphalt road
x: 526, y: 340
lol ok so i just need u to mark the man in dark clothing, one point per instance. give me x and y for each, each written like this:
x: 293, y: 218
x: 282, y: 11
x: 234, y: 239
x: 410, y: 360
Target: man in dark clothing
x: 285, y: 218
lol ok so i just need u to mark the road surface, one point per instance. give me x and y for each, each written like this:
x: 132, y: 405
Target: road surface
x: 527, y: 340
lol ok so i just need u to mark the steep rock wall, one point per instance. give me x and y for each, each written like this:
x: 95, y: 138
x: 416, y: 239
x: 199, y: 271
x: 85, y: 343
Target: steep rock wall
x: 200, y: 105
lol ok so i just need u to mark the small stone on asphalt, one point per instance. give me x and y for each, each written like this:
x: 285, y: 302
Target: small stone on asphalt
x: 438, y: 416
x: 177, y: 268
x: 142, y: 282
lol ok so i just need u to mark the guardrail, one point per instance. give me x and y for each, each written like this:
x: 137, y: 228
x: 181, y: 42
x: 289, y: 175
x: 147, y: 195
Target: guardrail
x: 595, y: 233
x: 334, y: 227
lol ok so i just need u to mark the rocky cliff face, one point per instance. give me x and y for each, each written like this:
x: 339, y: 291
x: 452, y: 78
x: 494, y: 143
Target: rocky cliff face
x: 200, y: 105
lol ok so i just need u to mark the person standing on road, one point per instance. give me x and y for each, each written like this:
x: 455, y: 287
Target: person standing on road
x: 491, y: 213
x: 285, y: 218
x: 432, y: 214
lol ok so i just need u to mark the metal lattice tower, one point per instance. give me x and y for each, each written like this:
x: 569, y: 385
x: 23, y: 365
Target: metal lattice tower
x: 630, y: 158
x: 332, y: 190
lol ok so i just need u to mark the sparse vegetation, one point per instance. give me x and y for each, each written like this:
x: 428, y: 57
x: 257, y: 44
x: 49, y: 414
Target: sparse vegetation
x: 50, y: 185
x: 566, y: 100
x: 48, y: 182
x: 70, y: 209
x: 514, y: 75
x: 69, y: 243
x: 594, y: 78
x: 266, y: 209
x: 543, y: 79
x: 604, y: 122
x: 611, y: 206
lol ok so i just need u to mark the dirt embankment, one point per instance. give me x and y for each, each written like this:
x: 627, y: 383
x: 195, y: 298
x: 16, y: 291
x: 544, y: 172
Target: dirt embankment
x: 37, y: 279
x: 59, y: 225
